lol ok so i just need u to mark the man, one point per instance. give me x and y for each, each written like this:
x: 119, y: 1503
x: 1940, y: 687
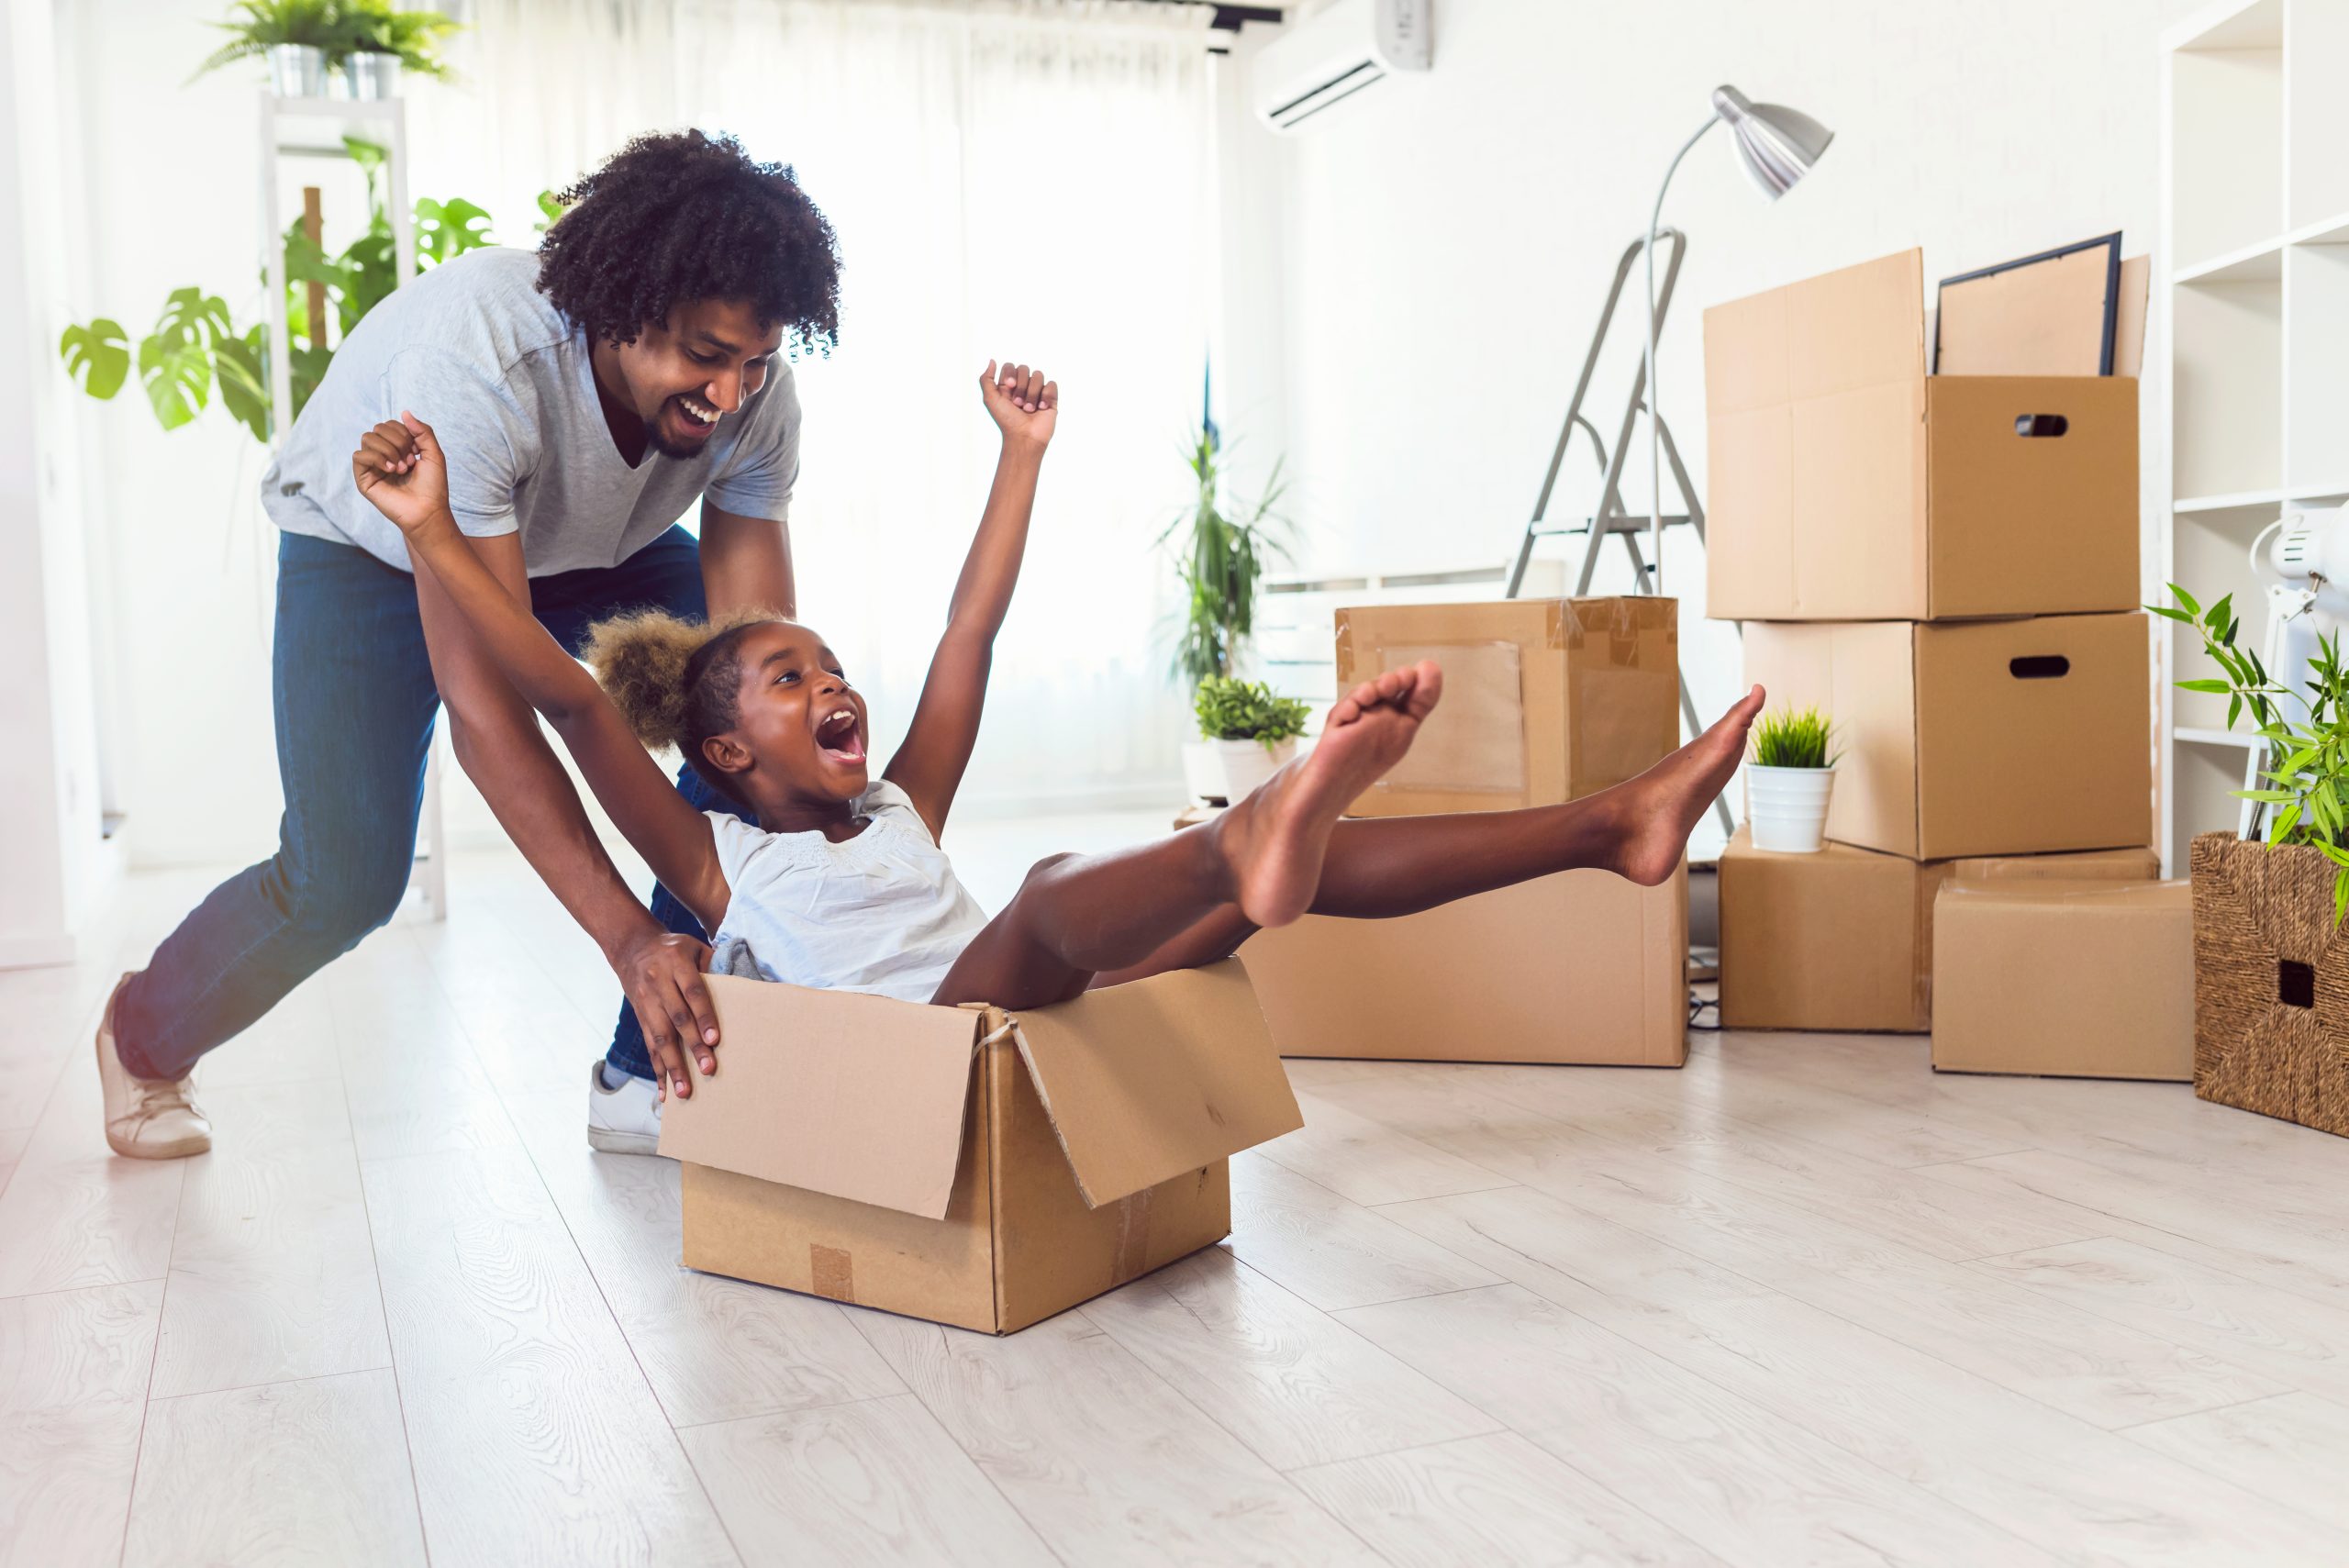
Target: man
x: 588, y: 395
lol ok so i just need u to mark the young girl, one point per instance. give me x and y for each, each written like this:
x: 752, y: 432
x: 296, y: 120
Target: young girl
x: 842, y: 885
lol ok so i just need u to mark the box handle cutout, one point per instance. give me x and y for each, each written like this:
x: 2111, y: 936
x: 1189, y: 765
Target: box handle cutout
x: 2294, y: 984
x: 2041, y: 424
x: 2039, y: 667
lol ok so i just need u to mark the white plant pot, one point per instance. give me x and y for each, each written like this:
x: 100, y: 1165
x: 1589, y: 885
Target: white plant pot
x: 297, y: 71
x: 1787, y: 808
x: 373, y: 77
x: 1242, y: 765
x: 1202, y: 771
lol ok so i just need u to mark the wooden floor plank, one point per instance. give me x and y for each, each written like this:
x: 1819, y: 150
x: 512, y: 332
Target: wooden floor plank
x: 273, y: 1273
x: 874, y: 1482
x: 1105, y: 1461
x: 75, y: 1213
x: 2289, y: 1449
x: 713, y: 1349
x: 73, y: 1368
x: 286, y: 1474
x: 535, y: 1438
x: 1748, y: 1486
x: 1328, y: 1249
x: 1282, y: 1377
x: 1493, y: 1502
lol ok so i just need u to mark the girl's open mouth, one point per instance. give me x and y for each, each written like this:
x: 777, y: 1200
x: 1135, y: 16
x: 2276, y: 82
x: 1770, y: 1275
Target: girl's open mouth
x: 842, y: 739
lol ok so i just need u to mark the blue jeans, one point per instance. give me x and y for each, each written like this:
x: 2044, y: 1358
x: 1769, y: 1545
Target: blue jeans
x: 355, y: 708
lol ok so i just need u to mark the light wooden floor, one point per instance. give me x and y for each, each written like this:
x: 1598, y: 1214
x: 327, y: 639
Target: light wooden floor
x: 1802, y: 1303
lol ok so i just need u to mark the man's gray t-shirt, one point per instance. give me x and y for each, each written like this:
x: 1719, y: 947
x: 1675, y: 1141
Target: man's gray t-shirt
x: 474, y: 349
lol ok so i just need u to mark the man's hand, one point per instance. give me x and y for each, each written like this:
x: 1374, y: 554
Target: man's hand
x: 400, y: 468
x: 1023, y: 405
x: 662, y: 972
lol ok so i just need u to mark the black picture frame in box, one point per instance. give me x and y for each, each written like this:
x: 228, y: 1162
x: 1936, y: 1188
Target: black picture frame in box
x: 2111, y: 290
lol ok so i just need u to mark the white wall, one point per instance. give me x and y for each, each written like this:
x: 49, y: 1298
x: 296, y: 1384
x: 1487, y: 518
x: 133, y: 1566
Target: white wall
x: 1444, y: 243
x: 54, y: 866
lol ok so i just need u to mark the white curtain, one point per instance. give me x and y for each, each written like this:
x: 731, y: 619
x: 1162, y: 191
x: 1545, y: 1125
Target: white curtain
x: 1028, y: 180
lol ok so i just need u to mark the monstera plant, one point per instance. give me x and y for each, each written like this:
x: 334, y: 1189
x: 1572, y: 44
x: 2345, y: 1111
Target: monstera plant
x: 195, y: 351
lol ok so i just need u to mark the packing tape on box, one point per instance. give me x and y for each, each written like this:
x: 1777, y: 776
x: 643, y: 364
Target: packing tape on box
x: 1611, y: 730
x: 1475, y: 741
x: 832, y: 1273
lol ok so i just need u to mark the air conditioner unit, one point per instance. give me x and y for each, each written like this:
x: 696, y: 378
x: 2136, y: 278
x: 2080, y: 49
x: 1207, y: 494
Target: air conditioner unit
x: 1337, y: 52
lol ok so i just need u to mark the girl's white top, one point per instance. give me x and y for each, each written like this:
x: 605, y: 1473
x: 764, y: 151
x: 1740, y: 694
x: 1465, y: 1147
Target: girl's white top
x: 881, y: 913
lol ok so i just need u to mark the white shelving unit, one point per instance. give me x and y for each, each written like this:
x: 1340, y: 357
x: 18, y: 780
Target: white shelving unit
x: 2252, y: 296
x: 293, y: 130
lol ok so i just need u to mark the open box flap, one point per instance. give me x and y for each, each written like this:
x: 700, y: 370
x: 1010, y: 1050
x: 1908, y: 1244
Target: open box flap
x: 1146, y: 1081
x: 860, y: 1097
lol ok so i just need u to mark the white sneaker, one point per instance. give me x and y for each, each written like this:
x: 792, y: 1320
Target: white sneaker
x: 147, y: 1118
x: 626, y: 1120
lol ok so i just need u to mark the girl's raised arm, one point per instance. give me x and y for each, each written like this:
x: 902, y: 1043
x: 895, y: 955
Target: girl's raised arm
x: 399, y: 468
x: 929, y: 766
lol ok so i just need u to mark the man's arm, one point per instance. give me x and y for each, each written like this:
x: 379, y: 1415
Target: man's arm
x: 746, y: 563
x: 498, y: 743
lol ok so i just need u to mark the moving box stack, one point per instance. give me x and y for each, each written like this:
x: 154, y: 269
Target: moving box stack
x: 1946, y: 565
x: 1544, y: 701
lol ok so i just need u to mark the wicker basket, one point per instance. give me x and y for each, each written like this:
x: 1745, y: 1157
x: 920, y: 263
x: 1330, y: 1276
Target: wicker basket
x: 2271, y: 983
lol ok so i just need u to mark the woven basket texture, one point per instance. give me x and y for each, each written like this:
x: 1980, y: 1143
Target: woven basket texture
x: 2270, y: 1035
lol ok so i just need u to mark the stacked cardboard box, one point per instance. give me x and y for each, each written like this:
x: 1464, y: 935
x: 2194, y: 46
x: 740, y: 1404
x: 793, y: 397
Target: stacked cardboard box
x: 1946, y: 565
x: 1544, y: 701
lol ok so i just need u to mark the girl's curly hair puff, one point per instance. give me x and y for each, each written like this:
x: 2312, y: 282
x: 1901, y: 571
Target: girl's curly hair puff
x: 676, y: 681
x: 680, y: 218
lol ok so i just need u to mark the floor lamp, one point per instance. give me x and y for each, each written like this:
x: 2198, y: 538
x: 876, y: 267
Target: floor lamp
x: 1777, y: 146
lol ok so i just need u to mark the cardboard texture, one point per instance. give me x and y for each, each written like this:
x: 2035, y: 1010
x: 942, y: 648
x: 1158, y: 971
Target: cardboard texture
x: 1086, y: 1143
x: 1544, y: 700
x: 2064, y: 979
x: 1578, y: 967
x: 2044, y: 317
x: 2271, y: 983
x: 1989, y: 738
x: 2129, y: 328
x: 1843, y: 939
x: 1847, y: 485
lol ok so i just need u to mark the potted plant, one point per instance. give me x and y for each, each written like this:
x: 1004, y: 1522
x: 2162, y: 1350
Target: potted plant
x: 2269, y: 971
x: 1220, y: 557
x: 294, y: 36
x: 378, y: 44
x: 1788, y: 781
x: 1249, y: 732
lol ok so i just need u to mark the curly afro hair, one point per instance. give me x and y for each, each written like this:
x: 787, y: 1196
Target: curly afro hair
x: 676, y: 681
x: 675, y: 218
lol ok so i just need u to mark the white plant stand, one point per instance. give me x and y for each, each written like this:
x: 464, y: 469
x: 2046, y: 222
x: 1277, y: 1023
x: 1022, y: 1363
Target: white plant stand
x: 2252, y: 302
x: 313, y: 128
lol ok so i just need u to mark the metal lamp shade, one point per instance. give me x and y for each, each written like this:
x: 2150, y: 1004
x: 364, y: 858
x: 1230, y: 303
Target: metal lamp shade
x: 1777, y: 144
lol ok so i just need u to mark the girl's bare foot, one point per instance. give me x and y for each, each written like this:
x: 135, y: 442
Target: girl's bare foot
x: 1274, y: 840
x: 1655, y: 811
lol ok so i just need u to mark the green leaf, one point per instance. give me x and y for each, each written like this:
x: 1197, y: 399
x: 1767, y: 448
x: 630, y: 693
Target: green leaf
x: 2235, y: 709
x: 2216, y: 620
x: 2217, y: 689
x: 244, y: 382
x: 2169, y: 614
x: 99, y: 355
x: 178, y: 379
x: 2285, y: 820
x: 2186, y: 599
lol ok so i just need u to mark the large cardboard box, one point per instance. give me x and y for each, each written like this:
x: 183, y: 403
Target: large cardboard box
x: 1848, y: 485
x: 1544, y: 700
x: 1577, y: 967
x: 2064, y: 979
x: 1843, y: 939
x: 1989, y: 738
x: 966, y: 1166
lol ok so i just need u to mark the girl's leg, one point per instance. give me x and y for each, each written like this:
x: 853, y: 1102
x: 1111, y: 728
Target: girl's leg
x: 1377, y: 868
x: 1078, y: 915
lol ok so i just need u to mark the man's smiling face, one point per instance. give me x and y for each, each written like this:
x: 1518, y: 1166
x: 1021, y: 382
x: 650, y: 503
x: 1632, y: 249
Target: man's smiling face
x: 684, y: 376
